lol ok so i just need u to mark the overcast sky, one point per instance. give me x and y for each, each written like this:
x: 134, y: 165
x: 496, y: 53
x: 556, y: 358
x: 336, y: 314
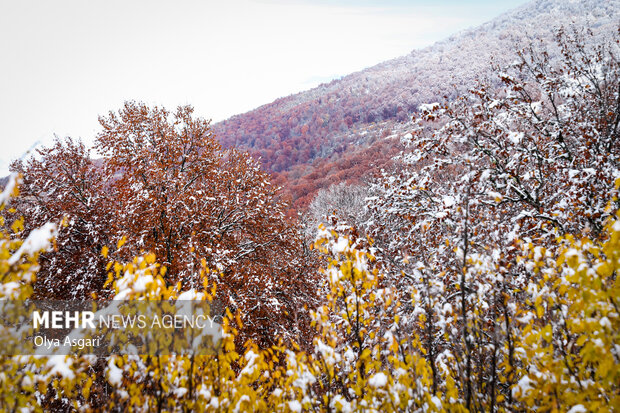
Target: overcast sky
x: 64, y: 63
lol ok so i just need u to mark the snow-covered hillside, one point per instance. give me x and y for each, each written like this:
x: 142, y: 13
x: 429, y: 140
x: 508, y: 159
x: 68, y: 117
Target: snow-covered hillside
x: 300, y: 128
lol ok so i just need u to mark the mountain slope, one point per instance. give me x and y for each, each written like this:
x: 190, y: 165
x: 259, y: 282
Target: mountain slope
x: 349, y: 114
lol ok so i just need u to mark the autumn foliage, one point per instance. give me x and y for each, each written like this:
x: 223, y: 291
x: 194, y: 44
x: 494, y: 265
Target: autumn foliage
x: 477, y: 273
x: 164, y: 185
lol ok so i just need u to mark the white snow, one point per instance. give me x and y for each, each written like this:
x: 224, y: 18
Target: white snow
x: 604, y: 322
x: 115, y: 375
x: 340, y: 403
x: 523, y: 386
x: 428, y: 107
x: 9, y: 289
x: 295, y: 406
x: 38, y: 240
x: 448, y: 201
x: 132, y: 283
x: 515, y: 137
x: 378, y: 380
x: 578, y: 408
x: 341, y: 245
x: 250, y: 357
x: 190, y: 295
x: 8, y: 189
x: 60, y: 365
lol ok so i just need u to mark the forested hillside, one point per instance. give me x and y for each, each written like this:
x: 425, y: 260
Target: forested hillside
x: 311, y: 131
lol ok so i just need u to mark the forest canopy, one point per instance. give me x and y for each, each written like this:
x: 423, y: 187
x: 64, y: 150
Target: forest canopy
x: 479, y: 273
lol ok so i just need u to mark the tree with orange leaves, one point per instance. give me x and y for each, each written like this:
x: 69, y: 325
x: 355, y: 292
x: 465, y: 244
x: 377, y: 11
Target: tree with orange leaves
x: 62, y: 183
x: 166, y: 186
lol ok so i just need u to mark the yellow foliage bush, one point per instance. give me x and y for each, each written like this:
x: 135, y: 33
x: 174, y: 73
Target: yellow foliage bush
x: 566, y: 350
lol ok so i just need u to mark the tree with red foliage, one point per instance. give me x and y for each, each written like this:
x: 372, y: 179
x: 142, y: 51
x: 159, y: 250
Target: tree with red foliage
x: 62, y: 183
x: 167, y: 187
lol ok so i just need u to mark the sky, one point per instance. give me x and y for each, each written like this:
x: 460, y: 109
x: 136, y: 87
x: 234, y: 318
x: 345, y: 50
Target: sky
x: 63, y: 63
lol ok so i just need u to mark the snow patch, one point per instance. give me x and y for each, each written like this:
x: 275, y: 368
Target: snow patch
x: 428, y: 107
x: 295, y: 406
x: 38, y: 240
x: 60, y: 365
x: 378, y: 380
x: 7, y: 193
x: 578, y: 408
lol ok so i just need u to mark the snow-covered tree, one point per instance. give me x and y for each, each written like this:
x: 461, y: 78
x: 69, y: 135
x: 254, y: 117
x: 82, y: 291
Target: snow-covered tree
x: 341, y: 202
x: 164, y: 185
x: 531, y: 161
x: 62, y: 183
